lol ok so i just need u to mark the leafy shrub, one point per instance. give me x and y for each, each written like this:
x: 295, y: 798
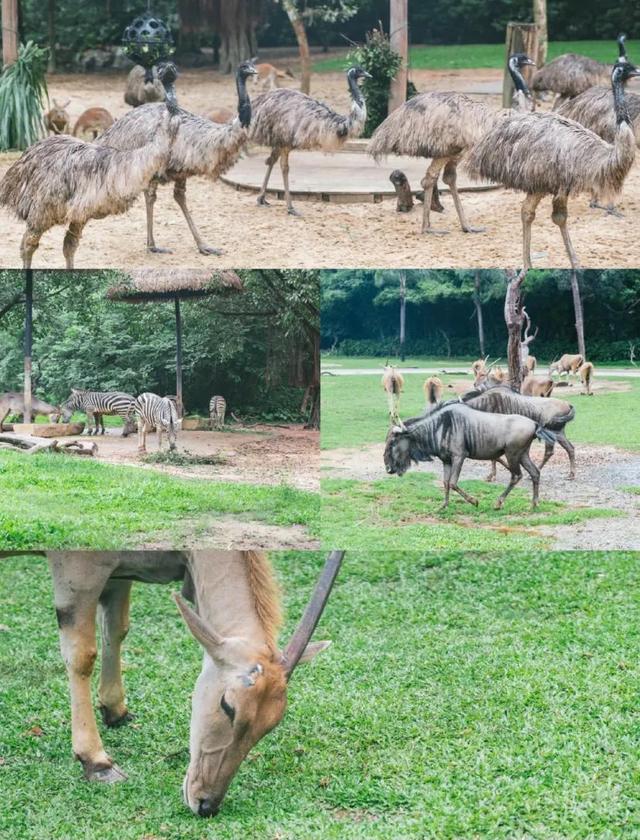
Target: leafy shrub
x: 22, y: 90
x: 377, y: 58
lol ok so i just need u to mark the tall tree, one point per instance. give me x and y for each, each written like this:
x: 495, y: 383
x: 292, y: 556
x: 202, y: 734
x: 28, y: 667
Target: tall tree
x: 578, y: 312
x: 477, y: 302
x: 51, y: 30
x: 514, y: 319
x: 540, y: 20
x: 234, y: 21
x: 9, y: 31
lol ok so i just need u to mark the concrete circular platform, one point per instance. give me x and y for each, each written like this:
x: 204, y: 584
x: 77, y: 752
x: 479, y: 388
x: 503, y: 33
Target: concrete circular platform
x: 344, y: 177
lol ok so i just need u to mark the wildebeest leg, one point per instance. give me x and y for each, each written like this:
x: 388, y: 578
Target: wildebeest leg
x: 78, y: 579
x: 516, y: 476
x: 548, y: 452
x: 71, y: 242
x: 114, y: 615
x: 428, y: 183
x: 534, y: 472
x: 446, y: 481
x: 456, y: 467
x: 450, y: 177
x: 570, y: 450
x: 180, y: 196
x: 284, y: 166
x: 559, y: 217
x: 492, y: 472
x: 271, y: 162
x: 528, y: 214
x: 29, y: 245
x: 150, y: 196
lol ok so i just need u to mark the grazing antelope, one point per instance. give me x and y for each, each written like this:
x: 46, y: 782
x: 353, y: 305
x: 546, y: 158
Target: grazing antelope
x: 537, y: 386
x: 241, y: 692
x: 586, y: 374
x: 433, y: 390
x: 530, y: 363
x: 479, y: 367
x: 13, y: 403
x: 453, y: 432
x: 393, y: 384
x: 566, y: 365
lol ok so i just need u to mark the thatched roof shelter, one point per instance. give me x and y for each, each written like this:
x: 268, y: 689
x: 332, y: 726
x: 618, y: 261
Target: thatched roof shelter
x: 155, y: 285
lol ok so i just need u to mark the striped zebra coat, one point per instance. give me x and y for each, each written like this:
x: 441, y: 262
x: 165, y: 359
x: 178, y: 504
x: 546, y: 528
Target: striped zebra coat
x: 159, y: 413
x: 95, y: 404
x: 217, y: 411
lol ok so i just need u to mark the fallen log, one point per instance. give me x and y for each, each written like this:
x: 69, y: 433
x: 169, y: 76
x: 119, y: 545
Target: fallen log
x: 30, y: 445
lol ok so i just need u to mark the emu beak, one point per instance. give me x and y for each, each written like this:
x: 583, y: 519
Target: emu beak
x: 367, y: 75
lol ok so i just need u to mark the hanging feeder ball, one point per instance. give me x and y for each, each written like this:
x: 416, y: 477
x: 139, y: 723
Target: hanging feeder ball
x: 148, y: 40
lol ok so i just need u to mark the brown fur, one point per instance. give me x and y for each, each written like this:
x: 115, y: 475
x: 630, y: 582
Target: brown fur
x: 433, y: 390
x: 586, y: 374
x: 537, y: 386
x: 94, y: 122
x: 265, y: 593
x: 221, y: 115
x: 567, y: 363
x: 393, y: 384
x: 12, y: 402
x: 530, y: 363
x: 268, y: 76
x: 138, y: 92
x: 57, y: 120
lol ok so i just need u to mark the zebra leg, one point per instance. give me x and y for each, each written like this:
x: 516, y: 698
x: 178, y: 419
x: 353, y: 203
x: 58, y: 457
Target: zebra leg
x: 142, y: 436
x: 271, y: 162
x: 516, y: 476
x: 455, y: 475
x: 534, y: 472
x: 570, y: 450
x: 101, y: 421
x: 114, y: 615
x: 159, y: 430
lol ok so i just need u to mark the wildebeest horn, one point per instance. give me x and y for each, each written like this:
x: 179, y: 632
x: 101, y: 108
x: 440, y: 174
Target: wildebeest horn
x: 400, y: 428
x: 304, y: 630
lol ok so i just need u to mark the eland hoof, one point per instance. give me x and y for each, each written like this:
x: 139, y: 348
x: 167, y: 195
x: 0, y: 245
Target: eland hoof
x: 113, y: 720
x: 106, y: 775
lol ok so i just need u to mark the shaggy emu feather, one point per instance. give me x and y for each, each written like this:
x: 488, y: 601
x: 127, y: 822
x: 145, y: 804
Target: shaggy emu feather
x: 545, y: 154
x: 287, y: 119
x: 441, y: 126
x: 200, y: 147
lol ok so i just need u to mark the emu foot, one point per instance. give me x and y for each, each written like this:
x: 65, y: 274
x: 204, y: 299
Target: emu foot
x: 435, y: 231
x: 113, y: 719
x: 106, y: 775
x: 207, y: 250
x: 293, y: 212
x: 261, y: 201
x: 610, y: 209
x: 154, y: 249
x: 470, y: 229
x: 572, y: 476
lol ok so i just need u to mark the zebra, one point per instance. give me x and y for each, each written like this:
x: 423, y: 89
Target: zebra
x: 159, y: 413
x: 95, y: 404
x: 217, y: 411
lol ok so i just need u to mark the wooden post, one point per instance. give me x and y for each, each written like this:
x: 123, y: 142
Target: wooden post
x: 577, y: 309
x: 9, y: 31
x: 180, y: 404
x: 521, y: 38
x: 28, y: 342
x: 540, y: 19
x: 399, y: 38
x: 403, y: 311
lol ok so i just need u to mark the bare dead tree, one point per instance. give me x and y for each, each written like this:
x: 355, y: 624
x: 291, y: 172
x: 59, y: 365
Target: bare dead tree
x: 477, y: 302
x: 514, y: 319
x: 527, y: 339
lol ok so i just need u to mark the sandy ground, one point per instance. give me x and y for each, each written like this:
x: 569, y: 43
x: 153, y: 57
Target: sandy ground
x: 328, y: 235
x: 601, y: 473
x: 263, y: 455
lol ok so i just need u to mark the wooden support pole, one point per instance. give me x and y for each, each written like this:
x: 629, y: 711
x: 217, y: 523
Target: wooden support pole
x: 399, y: 37
x: 403, y: 312
x: 28, y: 342
x: 9, y: 31
x: 521, y: 38
x: 540, y: 19
x: 180, y: 404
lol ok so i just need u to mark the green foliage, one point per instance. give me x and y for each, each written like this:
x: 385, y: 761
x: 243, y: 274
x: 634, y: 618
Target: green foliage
x: 22, y: 91
x: 377, y: 58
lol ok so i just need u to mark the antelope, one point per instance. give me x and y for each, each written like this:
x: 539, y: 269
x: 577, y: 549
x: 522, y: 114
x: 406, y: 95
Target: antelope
x: 12, y: 402
x: 393, y: 384
x: 566, y: 364
x: 241, y: 692
x: 432, y: 390
x: 537, y: 386
x: 586, y: 373
x: 527, y: 361
x: 530, y: 363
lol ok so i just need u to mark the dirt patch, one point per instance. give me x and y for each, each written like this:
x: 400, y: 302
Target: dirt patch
x: 357, y: 235
x: 601, y: 474
x: 264, y: 455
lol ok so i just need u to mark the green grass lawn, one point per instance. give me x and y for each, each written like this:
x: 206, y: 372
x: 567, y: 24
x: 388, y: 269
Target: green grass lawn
x: 463, y: 697
x: 465, y: 56
x: 59, y: 502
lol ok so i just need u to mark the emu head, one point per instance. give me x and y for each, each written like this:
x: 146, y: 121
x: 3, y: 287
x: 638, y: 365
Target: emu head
x: 623, y: 70
x: 397, y: 450
x: 519, y: 60
x: 246, y: 69
x: 241, y: 695
x: 356, y: 73
x: 622, y: 49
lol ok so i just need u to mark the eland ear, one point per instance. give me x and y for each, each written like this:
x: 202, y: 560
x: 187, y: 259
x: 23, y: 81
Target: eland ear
x: 312, y: 650
x: 223, y: 650
x: 399, y: 429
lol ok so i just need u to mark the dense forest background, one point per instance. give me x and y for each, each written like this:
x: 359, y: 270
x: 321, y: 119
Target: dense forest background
x: 201, y: 23
x: 360, y: 313
x: 257, y: 349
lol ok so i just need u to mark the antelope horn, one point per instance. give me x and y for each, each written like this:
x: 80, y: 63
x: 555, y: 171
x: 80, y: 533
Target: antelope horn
x: 304, y: 630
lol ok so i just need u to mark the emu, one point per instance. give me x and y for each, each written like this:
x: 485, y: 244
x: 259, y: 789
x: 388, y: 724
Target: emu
x: 453, y: 432
x: 143, y: 86
x: 241, y: 692
x: 545, y: 154
x: 549, y: 413
x: 287, y: 119
x: 66, y: 181
x: 393, y: 385
x: 441, y: 126
x: 200, y: 147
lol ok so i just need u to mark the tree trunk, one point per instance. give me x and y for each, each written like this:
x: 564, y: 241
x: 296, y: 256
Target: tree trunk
x: 399, y: 39
x: 300, y: 32
x: 313, y: 391
x: 403, y: 312
x: 28, y: 343
x: 479, y: 315
x: 51, y: 25
x: 514, y: 319
x: 577, y: 308
x: 521, y: 38
x: 540, y: 20
x: 237, y: 25
x: 9, y: 31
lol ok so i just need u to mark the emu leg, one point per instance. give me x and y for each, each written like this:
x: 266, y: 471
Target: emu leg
x: 71, y: 242
x: 456, y: 467
x: 284, y: 166
x: 534, y: 472
x: 180, y: 195
x: 569, y: 448
x: 28, y: 245
x: 78, y: 581
x: 430, y: 181
x: 114, y: 614
x: 516, y: 476
x: 150, y: 196
x: 559, y: 217
x: 450, y: 177
x: 271, y: 162
x: 528, y: 214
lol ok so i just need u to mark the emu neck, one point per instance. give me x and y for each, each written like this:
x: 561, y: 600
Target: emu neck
x: 518, y: 81
x: 620, y: 102
x: 244, y: 103
x: 354, y: 90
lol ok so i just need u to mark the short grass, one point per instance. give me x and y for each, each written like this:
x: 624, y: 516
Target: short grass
x: 468, y: 56
x: 488, y: 697
x: 63, y: 502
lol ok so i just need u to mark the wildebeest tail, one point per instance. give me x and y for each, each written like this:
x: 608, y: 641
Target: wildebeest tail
x: 545, y: 435
x: 558, y: 423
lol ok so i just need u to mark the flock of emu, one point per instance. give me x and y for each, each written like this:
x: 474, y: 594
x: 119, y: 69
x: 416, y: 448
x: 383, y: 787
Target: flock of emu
x: 585, y: 145
x: 146, y: 412
x: 487, y: 421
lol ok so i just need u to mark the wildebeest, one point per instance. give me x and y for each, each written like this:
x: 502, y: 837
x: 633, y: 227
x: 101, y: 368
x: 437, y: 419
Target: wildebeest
x: 586, y: 374
x: 548, y: 412
x: 566, y: 364
x: 537, y: 386
x: 12, y: 402
x: 393, y: 385
x: 452, y: 432
x: 241, y: 692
